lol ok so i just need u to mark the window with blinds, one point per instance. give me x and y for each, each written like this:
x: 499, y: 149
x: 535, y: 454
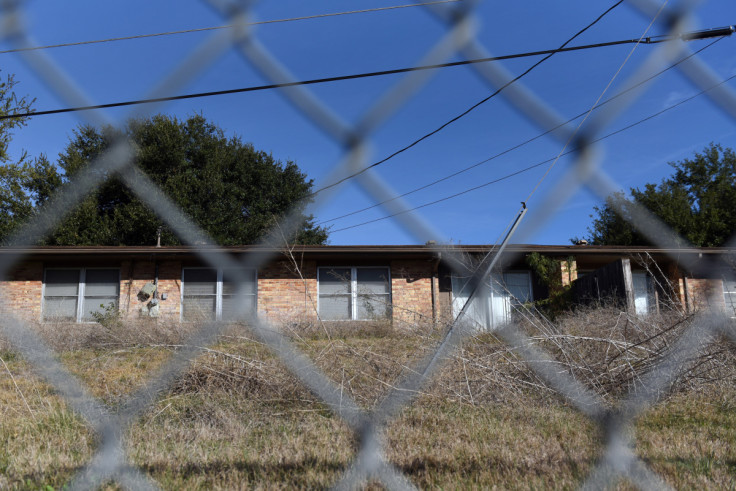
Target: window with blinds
x: 214, y: 294
x: 354, y: 293
x: 75, y: 294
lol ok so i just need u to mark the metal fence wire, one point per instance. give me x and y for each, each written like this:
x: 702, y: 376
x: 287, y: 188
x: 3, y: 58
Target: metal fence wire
x: 110, y: 461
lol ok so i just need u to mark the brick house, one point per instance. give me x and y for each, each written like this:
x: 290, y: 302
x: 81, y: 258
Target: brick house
x: 406, y: 284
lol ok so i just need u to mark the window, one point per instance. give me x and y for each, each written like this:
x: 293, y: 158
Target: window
x: 74, y: 294
x: 643, y: 292
x: 507, y: 292
x: 212, y: 294
x: 729, y: 295
x: 354, y: 293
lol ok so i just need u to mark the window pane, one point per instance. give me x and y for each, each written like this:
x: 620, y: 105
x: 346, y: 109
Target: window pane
x: 230, y: 287
x: 200, y: 281
x: 373, y: 280
x: 373, y: 306
x: 101, y: 282
x: 334, y: 307
x: 334, y: 280
x: 60, y: 308
x: 230, y: 304
x: 62, y: 282
x: 518, y: 286
x: 199, y: 308
x: 96, y: 304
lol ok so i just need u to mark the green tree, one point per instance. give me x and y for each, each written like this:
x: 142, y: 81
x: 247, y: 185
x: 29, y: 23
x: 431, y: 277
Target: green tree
x: 16, y: 202
x: 228, y: 188
x: 697, y: 202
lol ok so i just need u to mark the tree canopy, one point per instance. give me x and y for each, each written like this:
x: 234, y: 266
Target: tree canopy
x: 698, y: 202
x: 227, y: 187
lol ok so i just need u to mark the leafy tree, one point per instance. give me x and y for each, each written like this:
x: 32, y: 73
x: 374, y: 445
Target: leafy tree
x: 231, y: 190
x: 16, y: 205
x: 697, y: 202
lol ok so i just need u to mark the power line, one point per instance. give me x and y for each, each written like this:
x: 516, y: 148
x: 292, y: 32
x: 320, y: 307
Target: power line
x: 228, y: 26
x: 703, y: 34
x: 477, y: 104
x: 590, y: 111
x: 316, y: 81
x: 549, y: 52
x: 526, y: 169
x: 526, y: 142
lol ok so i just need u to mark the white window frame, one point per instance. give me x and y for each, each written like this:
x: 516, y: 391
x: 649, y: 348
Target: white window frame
x: 354, y: 290
x: 80, y: 292
x: 218, y: 290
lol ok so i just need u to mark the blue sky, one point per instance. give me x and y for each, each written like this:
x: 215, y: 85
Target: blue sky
x: 569, y: 82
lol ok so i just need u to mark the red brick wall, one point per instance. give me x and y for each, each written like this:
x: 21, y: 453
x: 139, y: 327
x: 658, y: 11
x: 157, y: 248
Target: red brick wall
x: 568, y: 272
x: 281, y: 291
x: 705, y: 294
x: 282, y: 294
x: 135, y: 274
x: 22, y: 294
x: 411, y: 291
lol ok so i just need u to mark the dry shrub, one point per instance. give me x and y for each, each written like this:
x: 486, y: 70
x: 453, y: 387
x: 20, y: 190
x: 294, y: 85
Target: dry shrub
x: 66, y: 336
x: 257, y: 377
x: 606, y: 349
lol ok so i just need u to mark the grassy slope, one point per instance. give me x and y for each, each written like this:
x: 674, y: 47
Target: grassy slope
x: 241, y: 421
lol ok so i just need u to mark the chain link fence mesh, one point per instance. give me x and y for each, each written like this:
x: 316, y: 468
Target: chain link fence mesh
x: 110, y: 461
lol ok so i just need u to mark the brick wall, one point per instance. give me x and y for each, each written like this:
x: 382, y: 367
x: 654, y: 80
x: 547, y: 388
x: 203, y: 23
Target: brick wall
x: 411, y: 291
x: 568, y: 272
x: 282, y: 295
x: 23, y: 292
x: 135, y: 274
x: 705, y: 294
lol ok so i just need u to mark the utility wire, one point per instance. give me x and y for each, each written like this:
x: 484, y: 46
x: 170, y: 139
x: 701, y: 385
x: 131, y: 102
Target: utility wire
x: 228, y: 26
x: 526, y: 142
x: 549, y: 52
x: 590, y: 111
x: 477, y: 104
x: 320, y: 81
x: 526, y: 169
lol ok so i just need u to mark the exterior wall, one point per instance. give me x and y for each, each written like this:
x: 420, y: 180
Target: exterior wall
x: 282, y: 295
x: 568, y: 272
x: 676, y: 281
x: 135, y: 274
x: 281, y: 291
x: 411, y: 291
x: 23, y: 293
x: 169, y: 282
x: 419, y: 293
x: 703, y: 294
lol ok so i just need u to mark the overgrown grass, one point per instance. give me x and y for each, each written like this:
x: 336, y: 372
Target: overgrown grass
x: 238, y: 419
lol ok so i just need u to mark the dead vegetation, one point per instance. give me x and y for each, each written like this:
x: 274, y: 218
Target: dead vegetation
x: 238, y: 418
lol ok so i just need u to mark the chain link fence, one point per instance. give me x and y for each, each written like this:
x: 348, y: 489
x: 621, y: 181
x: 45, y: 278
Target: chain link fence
x: 110, y: 461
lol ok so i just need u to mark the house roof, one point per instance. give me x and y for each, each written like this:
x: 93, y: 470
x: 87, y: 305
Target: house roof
x: 325, y: 251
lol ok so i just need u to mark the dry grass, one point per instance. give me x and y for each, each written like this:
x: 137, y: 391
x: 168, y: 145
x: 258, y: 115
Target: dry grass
x: 238, y: 419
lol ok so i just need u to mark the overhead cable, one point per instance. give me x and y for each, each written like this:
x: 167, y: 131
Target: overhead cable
x: 526, y: 142
x: 549, y: 54
x: 214, y: 28
x: 526, y: 169
x: 256, y: 88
